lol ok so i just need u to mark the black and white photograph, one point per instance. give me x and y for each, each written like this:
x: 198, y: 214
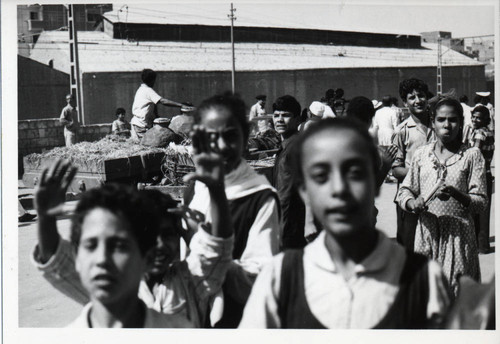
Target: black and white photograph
x: 239, y: 166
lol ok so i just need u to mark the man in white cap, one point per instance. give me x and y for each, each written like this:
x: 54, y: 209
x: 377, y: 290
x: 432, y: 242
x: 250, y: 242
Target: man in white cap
x: 259, y: 109
x: 69, y: 118
x: 182, y: 124
x: 315, y: 112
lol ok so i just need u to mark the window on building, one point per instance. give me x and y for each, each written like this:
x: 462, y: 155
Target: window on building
x: 92, y: 17
x: 34, y: 15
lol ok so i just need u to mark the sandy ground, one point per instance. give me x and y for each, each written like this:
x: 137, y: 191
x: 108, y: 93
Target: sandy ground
x: 40, y: 305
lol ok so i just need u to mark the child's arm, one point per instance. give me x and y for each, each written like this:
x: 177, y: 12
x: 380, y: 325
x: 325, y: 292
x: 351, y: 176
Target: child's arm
x: 50, y: 195
x: 408, y: 196
x: 54, y: 255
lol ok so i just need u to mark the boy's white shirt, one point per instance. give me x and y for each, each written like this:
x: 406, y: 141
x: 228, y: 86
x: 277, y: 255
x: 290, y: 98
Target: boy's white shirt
x: 331, y: 298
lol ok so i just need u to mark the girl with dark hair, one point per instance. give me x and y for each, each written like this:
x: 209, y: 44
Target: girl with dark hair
x: 351, y: 275
x: 253, y: 202
x: 479, y: 135
x: 445, y: 185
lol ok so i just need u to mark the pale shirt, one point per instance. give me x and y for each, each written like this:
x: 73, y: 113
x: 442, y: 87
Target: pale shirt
x: 153, y: 319
x: 360, y: 302
x: 263, y: 236
x: 185, y: 289
x: 70, y: 113
x: 467, y: 114
x: 384, y: 122
x: 143, y: 107
x: 255, y: 111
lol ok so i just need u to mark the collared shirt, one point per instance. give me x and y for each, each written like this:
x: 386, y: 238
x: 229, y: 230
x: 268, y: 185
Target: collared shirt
x: 360, y: 302
x: 70, y: 113
x: 407, y: 137
x: 152, y: 319
x: 185, y: 288
x: 143, y: 107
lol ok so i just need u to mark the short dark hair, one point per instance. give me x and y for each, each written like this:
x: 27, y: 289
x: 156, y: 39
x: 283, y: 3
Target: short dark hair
x: 129, y: 204
x: 483, y: 110
x: 386, y: 101
x: 362, y: 109
x: 148, y: 77
x: 463, y: 99
x: 120, y: 111
x: 409, y: 85
x: 338, y: 123
x: 330, y: 93
x: 233, y: 103
x: 289, y: 104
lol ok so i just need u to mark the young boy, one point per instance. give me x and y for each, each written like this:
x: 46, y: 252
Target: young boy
x: 352, y: 275
x: 125, y: 243
x: 120, y: 126
x: 286, y: 118
x: 414, y: 132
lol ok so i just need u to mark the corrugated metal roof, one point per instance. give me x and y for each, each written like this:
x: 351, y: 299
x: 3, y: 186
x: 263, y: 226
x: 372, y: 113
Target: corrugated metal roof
x: 290, y: 16
x: 100, y: 53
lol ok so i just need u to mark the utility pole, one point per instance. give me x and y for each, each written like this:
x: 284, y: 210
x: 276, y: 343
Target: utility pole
x: 233, y: 18
x: 439, y: 88
x: 76, y: 86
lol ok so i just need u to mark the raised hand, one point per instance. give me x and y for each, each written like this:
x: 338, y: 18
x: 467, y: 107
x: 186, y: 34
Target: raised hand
x: 50, y: 193
x: 207, y: 159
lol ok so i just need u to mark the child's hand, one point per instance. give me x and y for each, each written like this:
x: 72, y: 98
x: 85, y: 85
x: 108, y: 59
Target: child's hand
x: 391, y: 152
x: 191, y: 217
x: 208, y: 161
x: 416, y: 205
x: 445, y: 192
x: 50, y: 193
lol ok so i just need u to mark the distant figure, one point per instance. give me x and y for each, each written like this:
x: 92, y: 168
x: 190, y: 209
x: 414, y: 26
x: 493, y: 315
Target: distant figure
x: 315, y: 112
x: 467, y: 114
x: 384, y: 122
x: 120, y: 126
x: 399, y: 111
x: 259, y: 109
x: 339, y: 102
x: 182, y: 124
x: 483, y: 98
x: 69, y: 118
x: 144, y: 109
x: 329, y: 112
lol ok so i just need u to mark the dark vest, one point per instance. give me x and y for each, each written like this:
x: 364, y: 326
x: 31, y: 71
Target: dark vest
x: 243, y: 210
x: 409, y: 310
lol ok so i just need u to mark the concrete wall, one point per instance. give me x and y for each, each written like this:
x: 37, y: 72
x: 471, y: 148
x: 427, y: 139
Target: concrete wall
x: 38, y: 135
x: 41, y: 90
x: 306, y: 85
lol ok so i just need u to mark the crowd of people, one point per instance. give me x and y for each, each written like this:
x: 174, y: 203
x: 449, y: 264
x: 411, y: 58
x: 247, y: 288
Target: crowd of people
x: 299, y: 251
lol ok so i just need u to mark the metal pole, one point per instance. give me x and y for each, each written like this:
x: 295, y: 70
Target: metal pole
x: 76, y: 86
x: 233, y: 18
x: 439, y: 88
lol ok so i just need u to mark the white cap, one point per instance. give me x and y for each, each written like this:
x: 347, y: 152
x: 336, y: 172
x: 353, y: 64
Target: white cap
x: 317, y: 109
x: 376, y: 104
x: 483, y: 94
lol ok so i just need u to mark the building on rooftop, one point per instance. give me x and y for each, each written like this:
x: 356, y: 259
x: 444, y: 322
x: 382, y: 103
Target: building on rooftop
x: 192, y: 56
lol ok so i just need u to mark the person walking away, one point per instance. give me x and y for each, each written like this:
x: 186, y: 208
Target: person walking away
x: 384, y: 122
x: 351, y: 276
x: 445, y: 186
x: 414, y: 132
x: 69, y: 118
x: 467, y: 110
x: 286, y: 117
x: 144, y: 108
x: 479, y: 135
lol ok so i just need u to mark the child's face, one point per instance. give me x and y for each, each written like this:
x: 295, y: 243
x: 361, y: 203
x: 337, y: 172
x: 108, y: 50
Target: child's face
x: 416, y: 102
x: 108, y: 258
x: 284, y: 122
x: 121, y: 116
x: 339, y: 181
x: 446, y: 124
x: 165, y: 251
x: 478, y: 119
x: 225, y: 131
